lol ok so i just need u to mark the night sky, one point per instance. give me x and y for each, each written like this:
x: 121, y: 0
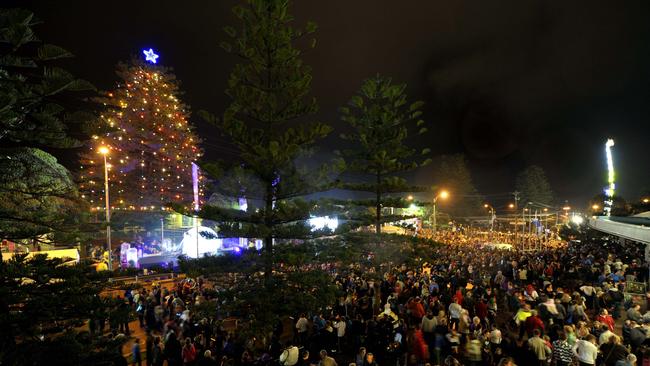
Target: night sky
x: 508, y: 83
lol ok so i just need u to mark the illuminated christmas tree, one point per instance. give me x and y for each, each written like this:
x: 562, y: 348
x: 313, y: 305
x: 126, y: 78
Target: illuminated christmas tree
x: 151, y: 146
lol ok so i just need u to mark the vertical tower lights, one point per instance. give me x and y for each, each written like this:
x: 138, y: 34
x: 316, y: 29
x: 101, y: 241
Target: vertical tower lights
x: 609, y: 191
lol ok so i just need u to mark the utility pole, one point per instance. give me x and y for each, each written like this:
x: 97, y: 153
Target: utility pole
x: 104, y: 151
x: 516, y: 195
x: 443, y: 194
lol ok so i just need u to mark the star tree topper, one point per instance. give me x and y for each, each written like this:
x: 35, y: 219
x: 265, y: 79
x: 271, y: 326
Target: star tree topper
x: 150, y: 55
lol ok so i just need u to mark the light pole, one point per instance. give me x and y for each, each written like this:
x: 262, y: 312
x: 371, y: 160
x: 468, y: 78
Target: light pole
x: 523, y: 219
x: 513, y: 207
x: 443, y: 194
x: 523, y: 227
x: 546, y: 229
x: 104, y: 151
x: 491, y: 211
x: 566, y: 210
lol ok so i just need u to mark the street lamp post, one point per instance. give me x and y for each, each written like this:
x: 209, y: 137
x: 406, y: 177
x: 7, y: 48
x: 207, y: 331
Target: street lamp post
x: 523, y: 219
x: 566, y: 210
x: 524, y: 239
x: 492, y: 218
x: 104, y: 151
x: 513, y: 206
x: 546, y: 230
x: 491, y: 211
x: 443, y: 194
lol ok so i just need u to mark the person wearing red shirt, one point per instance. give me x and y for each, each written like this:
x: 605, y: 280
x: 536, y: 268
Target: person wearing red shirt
x: 482, y: 310
x: 458, y: 297
x: 534, y: 322
x: 417, y: 309
x: 189, y: 352
x: 606, y: 319
x: 420, y: 348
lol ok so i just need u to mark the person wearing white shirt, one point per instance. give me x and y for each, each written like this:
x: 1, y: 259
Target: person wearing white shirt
x: 586, y: 351
x: 302, y: 326
x: 340, y: 326
x: 429, y: 323
x: 495, y: 335
x: 454, y: 313
x: 289, y: 356
x: 605, y: 335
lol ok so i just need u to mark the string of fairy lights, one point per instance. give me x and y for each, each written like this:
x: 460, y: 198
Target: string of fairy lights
x: 150, y: 147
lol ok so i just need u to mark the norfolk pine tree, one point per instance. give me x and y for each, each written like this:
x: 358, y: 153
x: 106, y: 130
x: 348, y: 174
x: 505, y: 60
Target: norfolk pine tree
x: 380, y: 117
x: 534, y: 186
x: 269, y: 90
x: 452, y: 173
x: 152, y: 144
x: 42, y: 301
x: 37, y: 195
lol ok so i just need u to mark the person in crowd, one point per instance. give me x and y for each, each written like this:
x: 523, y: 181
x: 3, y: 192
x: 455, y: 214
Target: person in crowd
x: 361, y: 356
x: 340, y: 325
x: 304, y: 359
x: 562, y: 351
x: 370, y: 360
x: 468, y: 305
x: 605, y: 334
x: 520, y: 318
x: 634, y: 313
x: 613, y: 351
x: 149, y: 348
x: 630, y: 360
x: 539, y: 348
x: 173, y: 350
x: 605, y: 318
x: 455, y: 311
x: 507, y: 361
x: 302, y: 326
x: 453, y: 340
x: 582, y: 330
x: 428, y: 326
x: 326, y: 360
x: 586, y: 350
x: 157, y: 356
x: 135, y: 353
x: 207, y: 359
x: 534, y: 322
x: 473, y: 353
x: 188, y: 352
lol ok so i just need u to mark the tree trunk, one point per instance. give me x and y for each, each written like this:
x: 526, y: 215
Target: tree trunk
x: 378, y: 206
x: 268, y: 240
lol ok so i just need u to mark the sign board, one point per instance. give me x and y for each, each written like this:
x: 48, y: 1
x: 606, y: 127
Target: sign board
x: 635, y: 287
x: 66, y: 254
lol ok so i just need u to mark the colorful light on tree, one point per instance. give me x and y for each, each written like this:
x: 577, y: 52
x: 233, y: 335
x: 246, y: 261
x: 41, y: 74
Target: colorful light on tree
x: 152, y: 143
x: 195, y: 186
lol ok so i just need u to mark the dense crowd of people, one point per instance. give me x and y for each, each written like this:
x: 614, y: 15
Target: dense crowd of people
x: 471, y: 305
x: 518, y: 240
